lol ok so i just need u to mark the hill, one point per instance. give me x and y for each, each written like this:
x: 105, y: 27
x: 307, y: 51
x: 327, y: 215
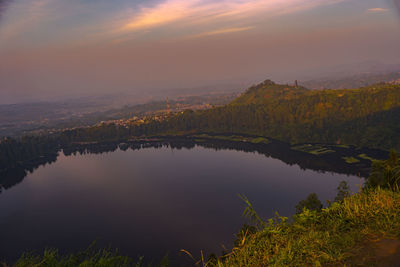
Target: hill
x: 368, y: 116
x: 354, y: 81
x: 268, y: 92
x: 365, y: 117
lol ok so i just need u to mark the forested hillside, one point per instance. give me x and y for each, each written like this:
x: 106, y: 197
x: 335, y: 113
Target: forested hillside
x: 269, y: 92
x: 367, y: 116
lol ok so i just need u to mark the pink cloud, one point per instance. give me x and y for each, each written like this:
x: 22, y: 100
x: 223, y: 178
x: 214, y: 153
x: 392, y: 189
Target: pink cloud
x: 377, y: 10
x: 195, y: 11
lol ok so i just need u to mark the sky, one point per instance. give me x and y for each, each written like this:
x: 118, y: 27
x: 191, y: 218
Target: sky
x: 53, y: 49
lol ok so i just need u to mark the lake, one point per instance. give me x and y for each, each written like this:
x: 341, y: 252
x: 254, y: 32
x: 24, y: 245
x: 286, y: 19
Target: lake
x: 152, y: 200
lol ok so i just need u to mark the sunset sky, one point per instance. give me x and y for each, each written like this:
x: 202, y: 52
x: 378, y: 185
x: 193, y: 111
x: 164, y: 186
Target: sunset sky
x: 57, y: 48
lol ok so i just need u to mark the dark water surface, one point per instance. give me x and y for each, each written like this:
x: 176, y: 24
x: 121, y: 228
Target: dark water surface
x: 152, y: 200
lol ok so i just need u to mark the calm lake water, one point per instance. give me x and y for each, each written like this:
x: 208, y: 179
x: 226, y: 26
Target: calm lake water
x: 151, y: 201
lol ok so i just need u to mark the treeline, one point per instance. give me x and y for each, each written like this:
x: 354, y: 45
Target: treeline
x: 27, y: 148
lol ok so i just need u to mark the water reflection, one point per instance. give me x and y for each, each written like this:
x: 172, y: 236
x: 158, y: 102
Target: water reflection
x: 150, y: 197
x: 325, y: 163
x: 10, y: 177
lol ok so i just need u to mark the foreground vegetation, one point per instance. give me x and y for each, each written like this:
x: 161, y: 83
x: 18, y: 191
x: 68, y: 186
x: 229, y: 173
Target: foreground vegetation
x: 358, y: 230
x: 51, y: 257
x: 346, y: 233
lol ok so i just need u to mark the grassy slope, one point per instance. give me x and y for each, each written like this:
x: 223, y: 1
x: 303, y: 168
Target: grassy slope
x: 361, y: 231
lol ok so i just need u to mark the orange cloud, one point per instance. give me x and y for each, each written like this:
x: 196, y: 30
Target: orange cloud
x: 163, y: 13
x: 28, y: 19
x: 222, y: 31
x: 195, y: 11
x: 377, y: 10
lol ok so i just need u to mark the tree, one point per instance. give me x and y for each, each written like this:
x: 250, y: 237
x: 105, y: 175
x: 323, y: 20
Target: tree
x: 312, y: 202
x: 343, y: 191
x: 386, y: 173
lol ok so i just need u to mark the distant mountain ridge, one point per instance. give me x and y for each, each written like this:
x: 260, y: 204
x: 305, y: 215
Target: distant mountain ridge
x: 354, y: 81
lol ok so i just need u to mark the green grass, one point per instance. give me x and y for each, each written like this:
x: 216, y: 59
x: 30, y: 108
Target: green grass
x: 342, y: 146
x: 88, y: 258
x: 234, y: 138
x: 345, y: 234
x: 259, y: 140
x: 313, y: 149
x: 365, y: 156
x: 350, y: 160
x: 51, y: 257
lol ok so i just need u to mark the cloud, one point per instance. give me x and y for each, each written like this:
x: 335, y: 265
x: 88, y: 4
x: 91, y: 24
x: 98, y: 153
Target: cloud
x: 3, y: 6
x: 222, y: 31
x: 377, y: 10
x: 160, y: 14
x: 35, y: 23
x: 24, y: 18
x: 81, y: 22
x: 206, y: 11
